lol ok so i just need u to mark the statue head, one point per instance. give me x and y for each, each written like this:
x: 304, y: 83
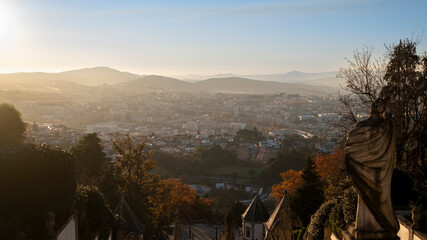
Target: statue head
x: 378, y: 107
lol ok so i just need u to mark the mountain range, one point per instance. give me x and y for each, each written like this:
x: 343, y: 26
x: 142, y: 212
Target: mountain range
x: 322, y: 78
x: 103, y: 77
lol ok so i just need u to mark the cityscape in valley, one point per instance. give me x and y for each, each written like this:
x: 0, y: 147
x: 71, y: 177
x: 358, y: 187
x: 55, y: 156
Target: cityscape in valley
x: 163, y: 114
x: 213, y: 120
x: 180, y: 123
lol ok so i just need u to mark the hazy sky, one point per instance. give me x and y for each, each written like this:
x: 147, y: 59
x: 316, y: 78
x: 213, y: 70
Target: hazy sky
x: 201, y: 37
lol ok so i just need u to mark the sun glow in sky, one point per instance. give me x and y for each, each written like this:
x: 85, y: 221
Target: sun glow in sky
x: 6, y: 20
x: 200, y: 37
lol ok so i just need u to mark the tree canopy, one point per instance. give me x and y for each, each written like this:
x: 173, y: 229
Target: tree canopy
x: 215, y: 156
x: 307, y: 198
x: 94, y: 213
x: 284, y: 160
x: 132, y: 174
x: 248, y: 136
x: 12, y: 128
x: 406, y: 76
x: 179, y: 200
x: 89, y: 155
x: 35, y: 180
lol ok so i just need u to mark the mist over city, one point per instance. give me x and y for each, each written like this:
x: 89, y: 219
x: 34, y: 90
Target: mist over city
x: 219, y: 120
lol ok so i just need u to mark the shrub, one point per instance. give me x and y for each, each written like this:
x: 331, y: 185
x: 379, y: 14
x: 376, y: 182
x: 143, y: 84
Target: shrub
x: 319, y: 220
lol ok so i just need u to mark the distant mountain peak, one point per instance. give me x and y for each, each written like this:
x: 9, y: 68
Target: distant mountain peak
x: 295, y: 72
x: 97, y: 69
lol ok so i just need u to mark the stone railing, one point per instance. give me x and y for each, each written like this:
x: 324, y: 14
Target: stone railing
x: 405, y: 231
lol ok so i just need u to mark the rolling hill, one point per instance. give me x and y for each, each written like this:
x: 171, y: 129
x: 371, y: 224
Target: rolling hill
x: 85, y: 81
x: 289, y: 77
x: 87, y: 76
x: 244, y: 85
x: 225, y: 85
x: 97, y: 76
x: 155, y: 83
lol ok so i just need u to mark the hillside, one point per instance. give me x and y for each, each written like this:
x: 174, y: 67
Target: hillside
x: 243, y: 85
x: 97, y: 76
x: 155, y: 83
x: 329, y: 82
x: 87, y: 76
x: 90, y: 80
x: 289, y: 77
x: 225, y: 85
x: 292, y: 77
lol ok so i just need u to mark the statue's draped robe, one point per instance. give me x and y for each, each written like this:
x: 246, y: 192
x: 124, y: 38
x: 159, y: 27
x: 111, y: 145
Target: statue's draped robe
x: 370, y: 153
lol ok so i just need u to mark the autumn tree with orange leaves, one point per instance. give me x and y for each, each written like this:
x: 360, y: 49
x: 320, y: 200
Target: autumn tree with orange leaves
x: 329, y: 168
x: 178, y: 200
x: 133, y: 175
x: 291, y: 181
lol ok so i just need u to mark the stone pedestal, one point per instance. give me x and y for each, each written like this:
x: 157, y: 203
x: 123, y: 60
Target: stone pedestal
x: 366, y: 226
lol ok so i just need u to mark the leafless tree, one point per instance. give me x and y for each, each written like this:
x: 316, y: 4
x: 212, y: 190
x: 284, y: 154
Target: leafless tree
x: 402, y: 77
x: 364, y: 80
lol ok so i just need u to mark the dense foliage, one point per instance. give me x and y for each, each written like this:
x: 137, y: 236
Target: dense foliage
x: 309, y: 195
x: 406, y: 76
x: 291, y: 181
x: 331, y: 166
x: 132, y: 172
x: 12, y: 128
x: 334, y: 213
x: 90, y: 158
x: 248, y: 136
x: 319, y: 221
x: 95, y: 215
x: 178, y: 202
x: 35, y: 180
x: 284, y: 160
x: 215, y: 156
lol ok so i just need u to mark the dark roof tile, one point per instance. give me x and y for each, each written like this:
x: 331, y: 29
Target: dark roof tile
x: 133, y: 224
x: 256, y: 211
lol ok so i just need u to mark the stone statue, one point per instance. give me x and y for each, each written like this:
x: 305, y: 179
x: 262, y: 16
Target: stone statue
x: 370, y: 154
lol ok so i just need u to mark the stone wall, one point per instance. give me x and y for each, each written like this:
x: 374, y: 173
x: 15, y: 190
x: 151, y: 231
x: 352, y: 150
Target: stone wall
x: 405, y: 231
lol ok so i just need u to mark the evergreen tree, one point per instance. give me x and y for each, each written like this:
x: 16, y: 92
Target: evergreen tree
x: 407, y: 87
x: 89, y: 155
x: 308, y: 197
